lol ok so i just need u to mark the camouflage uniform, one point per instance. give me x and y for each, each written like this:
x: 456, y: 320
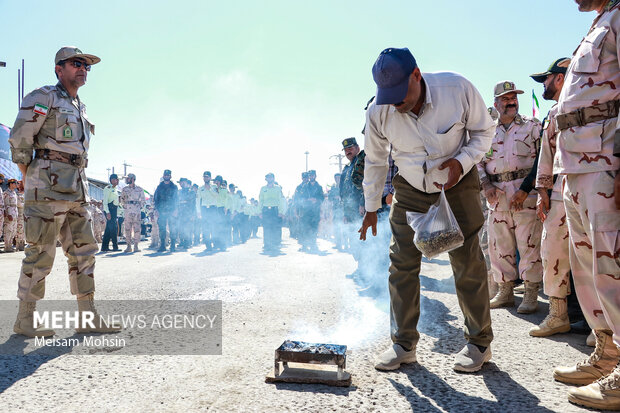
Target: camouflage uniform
x: 513, y: 150
x: 154, y: 216
x: 554, y: 246
x: 352, y: 196
x: 20, y: 238
x: 585, y: 156
x: 52, y: 122
x: 1, y: 211
x: 132, y: 200
x: 10, y: 219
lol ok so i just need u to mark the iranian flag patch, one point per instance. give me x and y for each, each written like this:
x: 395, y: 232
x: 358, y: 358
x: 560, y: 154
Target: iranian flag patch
x: 40, y: 109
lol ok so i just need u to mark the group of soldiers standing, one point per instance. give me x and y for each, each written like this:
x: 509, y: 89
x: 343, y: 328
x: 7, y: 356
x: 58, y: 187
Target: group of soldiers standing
x: 12, y: 214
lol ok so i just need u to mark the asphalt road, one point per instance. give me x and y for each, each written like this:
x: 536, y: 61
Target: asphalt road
x: 267, y: 299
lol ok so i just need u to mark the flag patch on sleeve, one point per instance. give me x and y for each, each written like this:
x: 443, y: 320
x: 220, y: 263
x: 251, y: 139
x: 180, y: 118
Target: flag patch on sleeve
x: 40, y: 109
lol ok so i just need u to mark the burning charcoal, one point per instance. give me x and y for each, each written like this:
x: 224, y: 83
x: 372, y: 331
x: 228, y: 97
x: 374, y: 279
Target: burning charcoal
x: 434, y: 243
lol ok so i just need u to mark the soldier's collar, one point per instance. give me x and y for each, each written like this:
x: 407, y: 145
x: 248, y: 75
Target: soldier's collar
x: 518, y: 119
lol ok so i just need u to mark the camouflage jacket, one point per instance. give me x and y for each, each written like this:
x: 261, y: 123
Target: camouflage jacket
x: 49, y: 118
x: 351, y: 194
x: 132, y: 199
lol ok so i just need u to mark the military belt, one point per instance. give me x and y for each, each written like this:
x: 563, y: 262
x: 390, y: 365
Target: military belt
x: 64, y: 157
x: 509, y: 176
x: 583, y: 116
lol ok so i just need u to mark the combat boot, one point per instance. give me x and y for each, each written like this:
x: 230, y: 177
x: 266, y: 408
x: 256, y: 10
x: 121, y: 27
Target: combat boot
x: 493, y: 287
x: 604, y: 394
x: 135, y: 247
x: 8, y: 248
x: 128, y: 249
x: 21, y: 245
x: 504, y: 297
x: 556, y: 322
x: 24, y: 324
x: 529, y: 304
x: 87, y: 304
x: 600, y: 363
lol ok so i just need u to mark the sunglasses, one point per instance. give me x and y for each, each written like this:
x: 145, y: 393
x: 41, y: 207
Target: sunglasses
x: 78, y: 64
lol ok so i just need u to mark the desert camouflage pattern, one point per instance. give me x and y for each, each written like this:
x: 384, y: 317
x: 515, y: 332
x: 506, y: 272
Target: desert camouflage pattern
x: 1, y: 212
x: 593, y: 77
x: 132, y: 201
x: 65, y: 128
x: 585, y: 156
x: 554, y: 246
x: 593, y: 223
x: 511, y: 150
x: 99, y: 220
x: 69, y: 222
x: 10, y: 218
x: 20, y: 237
x: 154, y: 216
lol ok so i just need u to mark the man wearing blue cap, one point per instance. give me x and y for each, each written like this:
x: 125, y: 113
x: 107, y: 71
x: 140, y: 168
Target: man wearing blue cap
x: 438, y: 127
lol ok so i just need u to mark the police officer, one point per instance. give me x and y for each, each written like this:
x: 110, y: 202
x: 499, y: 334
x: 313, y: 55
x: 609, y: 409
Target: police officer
x: 221, y: 199
x: 206, y: 205
x: 52, y: 123
x: 166, y: 204
x: 312, y: 197
x: 512, y: 227
x: 111, y: 203
x: 132, y: 201
x: 272, y: 204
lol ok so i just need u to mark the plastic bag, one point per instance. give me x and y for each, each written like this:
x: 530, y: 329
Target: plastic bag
x: 437, y: 230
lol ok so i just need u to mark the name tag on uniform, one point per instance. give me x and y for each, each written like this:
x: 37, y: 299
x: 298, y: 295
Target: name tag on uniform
x: 65, y: 111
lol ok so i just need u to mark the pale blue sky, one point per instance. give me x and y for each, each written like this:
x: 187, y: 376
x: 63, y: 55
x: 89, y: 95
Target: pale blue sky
x: 243, y: 88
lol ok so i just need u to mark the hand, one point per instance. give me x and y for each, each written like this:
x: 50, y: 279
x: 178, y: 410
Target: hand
x: 370, y: 220
x: 362, y: 211
x: 455, y: 171
x: 542, y: 204
x: 617, y: 190
x: 388, y: 199
x: 108, y: 216
x: 492, y: 194
x: 516, y: 202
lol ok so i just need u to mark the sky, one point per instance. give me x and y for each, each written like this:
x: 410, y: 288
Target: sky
x: 244, y: 88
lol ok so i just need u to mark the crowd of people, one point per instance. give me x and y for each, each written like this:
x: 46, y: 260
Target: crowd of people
x: 12, y: 214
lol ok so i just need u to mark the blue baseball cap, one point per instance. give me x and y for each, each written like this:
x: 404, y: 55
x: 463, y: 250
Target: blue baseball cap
x: 391, y: 72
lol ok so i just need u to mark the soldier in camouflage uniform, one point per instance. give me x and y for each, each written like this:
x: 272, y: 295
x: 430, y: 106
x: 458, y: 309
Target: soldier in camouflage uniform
x: 20, y: 238
x: 1, y: 205
x: 10, y: 215
x: 132, y: 201
x: 52, y: 123
x: 153, y: 216
x: 512, y: 227
x: 351, y: 192
x: 588, y: 156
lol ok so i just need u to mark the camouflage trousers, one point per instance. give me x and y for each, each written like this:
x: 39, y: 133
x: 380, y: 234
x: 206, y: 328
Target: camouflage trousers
x: 131, y: 225
x: 155, y: 230
x: 510, y: 231
x: 20, y: 237
x: 10, y: 225
x: 554, y: 252
x: 594, y: 248
x: 45, y: 223
x: 1, y: 220
x: 97, y: 229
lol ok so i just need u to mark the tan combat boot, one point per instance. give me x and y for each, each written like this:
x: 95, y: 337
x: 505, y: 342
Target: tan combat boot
x: 24, y: 324
x: 530, y: 298
x: 87, y: 304
x: 604, y: 394
x: 135, y: 247
x: 556, y: 322
x: 504, y: 297
x: 493, y: 287
x: 600, y: 363
x: 128, y: 249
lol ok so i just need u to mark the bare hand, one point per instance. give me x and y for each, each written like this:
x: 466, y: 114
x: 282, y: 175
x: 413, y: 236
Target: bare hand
x: 388, y: 199
x: 454, y: 172
x: 617, y: 190
x: 516, y: 202
x: 492, y: 194
x: 370, y: 220
x: 542, y: 204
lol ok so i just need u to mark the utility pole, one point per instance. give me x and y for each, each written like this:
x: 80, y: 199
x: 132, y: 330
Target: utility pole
x: 125, y: 165
x: 20, y: 85
x: 307, y: 153
x: 339, y: 156
x: 108, y: 169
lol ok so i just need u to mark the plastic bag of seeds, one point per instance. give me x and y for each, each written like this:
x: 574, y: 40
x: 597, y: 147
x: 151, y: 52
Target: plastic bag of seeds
x: 437, y: 230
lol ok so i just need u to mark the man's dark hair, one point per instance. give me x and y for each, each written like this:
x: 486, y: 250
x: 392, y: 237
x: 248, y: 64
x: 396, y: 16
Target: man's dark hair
x: 61, y: 63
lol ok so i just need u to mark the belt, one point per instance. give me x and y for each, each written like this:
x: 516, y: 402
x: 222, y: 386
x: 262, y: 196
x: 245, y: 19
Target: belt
x: 583, y: 116
x: 509, y: 176
x: 64, y: 157
x: 133, y: 202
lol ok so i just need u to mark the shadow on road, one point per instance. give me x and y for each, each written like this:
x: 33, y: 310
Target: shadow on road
x: 430, y: 393
x: 316, y: 388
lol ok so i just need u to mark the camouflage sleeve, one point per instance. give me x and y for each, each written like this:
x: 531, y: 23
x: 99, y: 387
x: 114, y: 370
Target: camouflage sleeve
x: 123, y: 197
x: 617, y: 143
x: 357, y: 176
x: 32, y: 113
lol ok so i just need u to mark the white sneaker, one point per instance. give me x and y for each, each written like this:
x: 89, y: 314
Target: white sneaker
x: 393, y: 357
x: 470, y: 359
